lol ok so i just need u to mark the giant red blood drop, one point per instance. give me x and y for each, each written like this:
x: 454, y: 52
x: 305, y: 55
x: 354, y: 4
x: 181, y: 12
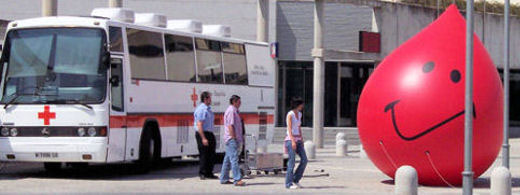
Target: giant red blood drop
x: 411, y: 110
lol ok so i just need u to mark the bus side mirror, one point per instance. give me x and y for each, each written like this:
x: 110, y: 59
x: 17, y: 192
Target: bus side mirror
x: 114, y: 80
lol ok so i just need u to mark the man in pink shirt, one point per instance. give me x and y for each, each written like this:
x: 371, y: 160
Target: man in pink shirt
x: 233, y: 138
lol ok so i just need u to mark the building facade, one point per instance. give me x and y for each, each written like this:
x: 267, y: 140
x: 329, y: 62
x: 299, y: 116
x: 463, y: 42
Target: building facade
x: 348, y: 64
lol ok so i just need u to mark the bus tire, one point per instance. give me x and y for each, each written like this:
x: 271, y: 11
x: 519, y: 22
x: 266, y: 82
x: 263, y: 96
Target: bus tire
x: 52, y: 166
x: 149, y: 148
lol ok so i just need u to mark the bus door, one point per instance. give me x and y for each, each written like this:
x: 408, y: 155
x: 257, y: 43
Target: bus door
x: 118, y: 126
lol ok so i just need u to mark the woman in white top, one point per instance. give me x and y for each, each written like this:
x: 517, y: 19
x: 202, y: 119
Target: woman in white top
x: 294, y: 145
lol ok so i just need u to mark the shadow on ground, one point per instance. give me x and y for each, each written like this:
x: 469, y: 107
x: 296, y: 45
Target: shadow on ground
x: 162, y: 170
x: 324, y: 187
x: 483, y: 182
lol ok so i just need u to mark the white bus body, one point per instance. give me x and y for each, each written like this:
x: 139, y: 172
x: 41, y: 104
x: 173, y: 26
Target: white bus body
x: 68, y: 103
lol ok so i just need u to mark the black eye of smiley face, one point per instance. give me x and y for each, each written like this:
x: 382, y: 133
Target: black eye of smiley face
x: 454, y: 74
x: 428, y: 67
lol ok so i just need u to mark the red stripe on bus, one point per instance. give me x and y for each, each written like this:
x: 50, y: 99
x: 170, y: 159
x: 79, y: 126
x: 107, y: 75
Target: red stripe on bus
x: 178, y: 120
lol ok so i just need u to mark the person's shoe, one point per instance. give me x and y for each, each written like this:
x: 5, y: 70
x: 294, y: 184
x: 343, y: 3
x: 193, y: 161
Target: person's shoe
x: 240, y: 183
x: 293, y: 187
x: 297, y: 185
x: 211, y: 177
x: 202, y: 177
x: 226, y: 182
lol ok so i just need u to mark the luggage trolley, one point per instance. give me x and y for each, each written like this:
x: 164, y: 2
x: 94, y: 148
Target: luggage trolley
x: 261, y: 162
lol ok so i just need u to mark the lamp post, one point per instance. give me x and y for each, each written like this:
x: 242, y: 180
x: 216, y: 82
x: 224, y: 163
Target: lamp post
x: 505, y: 145
x: 467, y: 180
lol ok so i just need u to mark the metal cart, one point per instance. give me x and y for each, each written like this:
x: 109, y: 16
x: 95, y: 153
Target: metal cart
x: 261, y: 162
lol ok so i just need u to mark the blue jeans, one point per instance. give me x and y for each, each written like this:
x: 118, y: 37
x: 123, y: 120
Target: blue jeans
x: 230, y: 160
x: 295, y: 177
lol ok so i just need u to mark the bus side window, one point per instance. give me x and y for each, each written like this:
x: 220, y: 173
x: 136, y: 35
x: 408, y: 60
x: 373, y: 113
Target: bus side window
x: 146, y: 54
x: 180, y: 58
x: 235, y: 69
x: 209, y: 61
x: 116, y: 83
x: 116, y: 39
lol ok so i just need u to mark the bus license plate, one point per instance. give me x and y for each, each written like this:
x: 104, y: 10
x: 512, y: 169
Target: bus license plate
x: 46, y: 155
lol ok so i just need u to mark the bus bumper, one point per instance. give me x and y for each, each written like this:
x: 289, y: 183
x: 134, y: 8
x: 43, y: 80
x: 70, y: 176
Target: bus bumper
x: 53, y: 149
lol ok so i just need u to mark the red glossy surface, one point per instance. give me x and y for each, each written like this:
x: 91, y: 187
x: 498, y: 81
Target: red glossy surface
x: 411, y: 109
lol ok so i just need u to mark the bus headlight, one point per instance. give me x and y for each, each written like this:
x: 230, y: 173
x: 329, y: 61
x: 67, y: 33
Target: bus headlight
x: 5, y: 131
x: 14, y: 132
x: 92, y: 131
x: 81, y: 132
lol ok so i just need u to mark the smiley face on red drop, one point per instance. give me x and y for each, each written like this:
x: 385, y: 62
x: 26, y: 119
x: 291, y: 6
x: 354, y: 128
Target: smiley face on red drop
x: 427, y: 68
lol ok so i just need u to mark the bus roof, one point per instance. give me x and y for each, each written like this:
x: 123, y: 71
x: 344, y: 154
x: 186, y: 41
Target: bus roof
x: 101, y: 22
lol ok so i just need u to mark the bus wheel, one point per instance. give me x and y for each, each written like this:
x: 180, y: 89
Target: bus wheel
x: 149, y: 150
x: 52, y: 166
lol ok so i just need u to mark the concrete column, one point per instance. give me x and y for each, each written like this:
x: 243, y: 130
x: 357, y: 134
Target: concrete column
x: 501, y: 181
x: 262, y: 21
x: 406, y: 181
x: 341, y: 147
x: 49, y: 7
x: 115, y: 3
x: 341, y: 136
x: 319, y: 74
x: 310, y: 149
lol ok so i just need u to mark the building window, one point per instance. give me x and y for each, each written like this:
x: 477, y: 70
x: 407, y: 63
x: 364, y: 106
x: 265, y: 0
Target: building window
x: 235, y: 68
x: 180, y: 58
x: 330, y: 118
x: 116, y: 39
x: 209, y: 61
x: 146, y: 54
x: 514, y: 94
x: 353, y: 77
x: 296, y: 79
x: 343, y: 85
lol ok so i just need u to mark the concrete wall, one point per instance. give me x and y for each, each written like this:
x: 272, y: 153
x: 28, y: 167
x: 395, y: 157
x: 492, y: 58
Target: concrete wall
x: 396, y: 22
x: 239, y: 14
x: 295, y: 21
x: 399, y: 22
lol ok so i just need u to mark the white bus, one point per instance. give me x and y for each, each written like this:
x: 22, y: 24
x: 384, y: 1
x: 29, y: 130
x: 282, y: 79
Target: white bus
x: 80, y: 90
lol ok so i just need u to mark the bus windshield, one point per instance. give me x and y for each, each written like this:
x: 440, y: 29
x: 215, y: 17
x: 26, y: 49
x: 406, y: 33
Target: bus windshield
x: 54, y: 65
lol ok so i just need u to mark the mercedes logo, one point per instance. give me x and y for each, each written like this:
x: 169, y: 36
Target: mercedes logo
x: 46, y: 132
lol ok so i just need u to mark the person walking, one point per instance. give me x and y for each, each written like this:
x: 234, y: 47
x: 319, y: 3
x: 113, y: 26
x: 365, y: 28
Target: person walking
x: 204, y: 125
x: 294, y: 145
x: 233, y: 138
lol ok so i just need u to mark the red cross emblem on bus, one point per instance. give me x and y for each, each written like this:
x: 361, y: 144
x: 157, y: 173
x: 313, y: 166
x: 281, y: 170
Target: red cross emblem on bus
x: 194, y: 98
x: 46, y: 115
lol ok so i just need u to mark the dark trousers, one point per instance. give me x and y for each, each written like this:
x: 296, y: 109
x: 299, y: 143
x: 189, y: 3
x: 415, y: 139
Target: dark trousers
x: 207, y: 154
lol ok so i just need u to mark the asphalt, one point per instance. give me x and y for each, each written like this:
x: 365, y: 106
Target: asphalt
x: 327, y: 174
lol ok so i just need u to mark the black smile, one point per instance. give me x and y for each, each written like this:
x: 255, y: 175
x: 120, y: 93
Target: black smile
x: 391, y: 106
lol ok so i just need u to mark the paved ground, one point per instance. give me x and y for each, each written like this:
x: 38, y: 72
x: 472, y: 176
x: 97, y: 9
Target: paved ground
x: 348, y: 175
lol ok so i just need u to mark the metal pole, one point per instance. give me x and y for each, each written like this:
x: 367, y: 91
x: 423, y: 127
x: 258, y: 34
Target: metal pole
x: 115, y: 3
x: 262, y: 13
x: 319, y: 76
x: 438, y: 5
x: 49, y: 7
x: 467, y: 180
x: 505, y: 145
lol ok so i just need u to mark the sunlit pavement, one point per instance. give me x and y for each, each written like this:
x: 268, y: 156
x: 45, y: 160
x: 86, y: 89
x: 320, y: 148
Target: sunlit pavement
x: 325, y: 175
